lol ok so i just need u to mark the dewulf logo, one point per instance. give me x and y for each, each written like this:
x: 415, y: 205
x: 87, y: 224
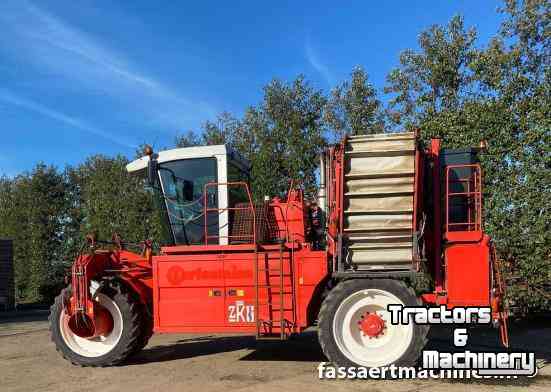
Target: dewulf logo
x: 240, y: 313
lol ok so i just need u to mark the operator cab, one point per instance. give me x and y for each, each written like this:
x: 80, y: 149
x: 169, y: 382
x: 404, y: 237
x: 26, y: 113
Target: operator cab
x: 180, y: 177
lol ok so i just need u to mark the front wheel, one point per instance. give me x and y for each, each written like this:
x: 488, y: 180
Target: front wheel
x: 355, y: 328
x: 105, y: 350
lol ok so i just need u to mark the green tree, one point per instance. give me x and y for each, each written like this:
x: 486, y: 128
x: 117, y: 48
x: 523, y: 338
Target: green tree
x: 14, y: 225
x: 32, y: 209
x: 353, y: 107
x: 47, y: 204
x: 281, y: 137
x: 515, y: 73
x: 435, y: 79
x: 188, y: 139
x: 289, y: 136
x: 500, y: 93
x: 113, y: 201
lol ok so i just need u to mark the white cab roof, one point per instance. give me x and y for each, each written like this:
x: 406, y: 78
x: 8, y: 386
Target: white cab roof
x: 187, y: 153
x: 177, y: 154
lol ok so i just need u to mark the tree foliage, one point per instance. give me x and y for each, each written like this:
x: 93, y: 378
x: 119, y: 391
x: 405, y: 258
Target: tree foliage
x: 499, y: 93
x: 452, y: 87
x: 281, y: 137
x: 31, y: 213
x: 354, y: 108
x: 47, y: 213
x: 435, y: 79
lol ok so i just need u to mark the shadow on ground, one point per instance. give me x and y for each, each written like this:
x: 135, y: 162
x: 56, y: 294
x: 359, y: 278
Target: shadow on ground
x: 528, y: 335
x: 303, y: 348
x: 24, y: 316
x: 531, y: 337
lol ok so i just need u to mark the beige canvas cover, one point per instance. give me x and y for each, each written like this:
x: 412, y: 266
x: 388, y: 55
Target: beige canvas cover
x: 379, y: 187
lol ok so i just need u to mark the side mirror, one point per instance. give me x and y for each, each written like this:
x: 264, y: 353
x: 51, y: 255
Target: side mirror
x: 152, y: 166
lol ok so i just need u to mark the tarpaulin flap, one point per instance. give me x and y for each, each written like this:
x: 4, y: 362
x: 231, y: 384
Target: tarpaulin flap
x: 380, y: 185
x: 379, y: 204
x: 379, y: 188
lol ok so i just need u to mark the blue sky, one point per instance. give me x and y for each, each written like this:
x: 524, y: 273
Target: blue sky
x: 84, y: 77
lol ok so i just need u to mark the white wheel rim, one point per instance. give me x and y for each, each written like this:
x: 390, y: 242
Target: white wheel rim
x: 101, y: 345
x: 363, y: 350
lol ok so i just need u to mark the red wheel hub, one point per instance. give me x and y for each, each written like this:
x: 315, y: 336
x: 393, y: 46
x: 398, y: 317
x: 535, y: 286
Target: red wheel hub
x: 372, y: 325
x: 85, y: 327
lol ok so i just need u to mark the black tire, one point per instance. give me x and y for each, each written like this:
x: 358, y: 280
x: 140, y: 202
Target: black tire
x: 130, y: 335
x: 345, y: 289
x: 146, y: 330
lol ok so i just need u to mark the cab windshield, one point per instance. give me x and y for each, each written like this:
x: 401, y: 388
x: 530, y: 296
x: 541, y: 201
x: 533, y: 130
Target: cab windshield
x: 182, y: 184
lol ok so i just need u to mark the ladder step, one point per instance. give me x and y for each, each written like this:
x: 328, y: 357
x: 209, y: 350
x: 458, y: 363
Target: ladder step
x: 276, y: 293
x: 277, y: 323
x: 276, y: 306
x: 272, y: 286
x: 276, y: 337
x: 278, y: 279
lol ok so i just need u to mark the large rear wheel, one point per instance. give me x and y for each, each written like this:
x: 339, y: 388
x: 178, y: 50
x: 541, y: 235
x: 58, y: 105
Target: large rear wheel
x: 108, y: 349
x: 355, y: 328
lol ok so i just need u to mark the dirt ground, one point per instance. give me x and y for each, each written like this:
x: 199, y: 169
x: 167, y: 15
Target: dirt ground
x: 29, y: 362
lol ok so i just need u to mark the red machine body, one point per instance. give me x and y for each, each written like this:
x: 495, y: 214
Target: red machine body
x: 276, y: 289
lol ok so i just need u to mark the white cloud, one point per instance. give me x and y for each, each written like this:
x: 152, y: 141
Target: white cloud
x: 47, y: 41
x: 317, y: 64
x: 12, y: 99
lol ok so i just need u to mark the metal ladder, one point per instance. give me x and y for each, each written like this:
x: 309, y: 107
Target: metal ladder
x: 267, y: 329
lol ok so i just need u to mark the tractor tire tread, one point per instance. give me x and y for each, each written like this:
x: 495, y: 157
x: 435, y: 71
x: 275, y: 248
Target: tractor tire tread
x: 330, y: 305
x: 129, y: 341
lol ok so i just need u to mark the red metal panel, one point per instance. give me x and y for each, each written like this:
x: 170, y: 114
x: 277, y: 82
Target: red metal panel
x: 437, y: 213
x: 289, y: 216
x: 184, y: 285
x: 190, y: 291
x: 463, y: 236
x: 239, y: 309
x: 191, y: 306
x: 239, y: 269
x: 312, y: 267
x: 417, y: 195
x: 468, y: 273
x: 312, y: 270
x: 179, y: 249
x: 191, y: 273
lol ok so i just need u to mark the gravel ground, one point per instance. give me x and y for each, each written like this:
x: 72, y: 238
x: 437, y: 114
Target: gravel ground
x: 29, y: 362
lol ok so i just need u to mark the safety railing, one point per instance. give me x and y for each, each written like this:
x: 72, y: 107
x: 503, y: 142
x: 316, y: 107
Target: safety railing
x: 220, y: 210
x: 463, y: 198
